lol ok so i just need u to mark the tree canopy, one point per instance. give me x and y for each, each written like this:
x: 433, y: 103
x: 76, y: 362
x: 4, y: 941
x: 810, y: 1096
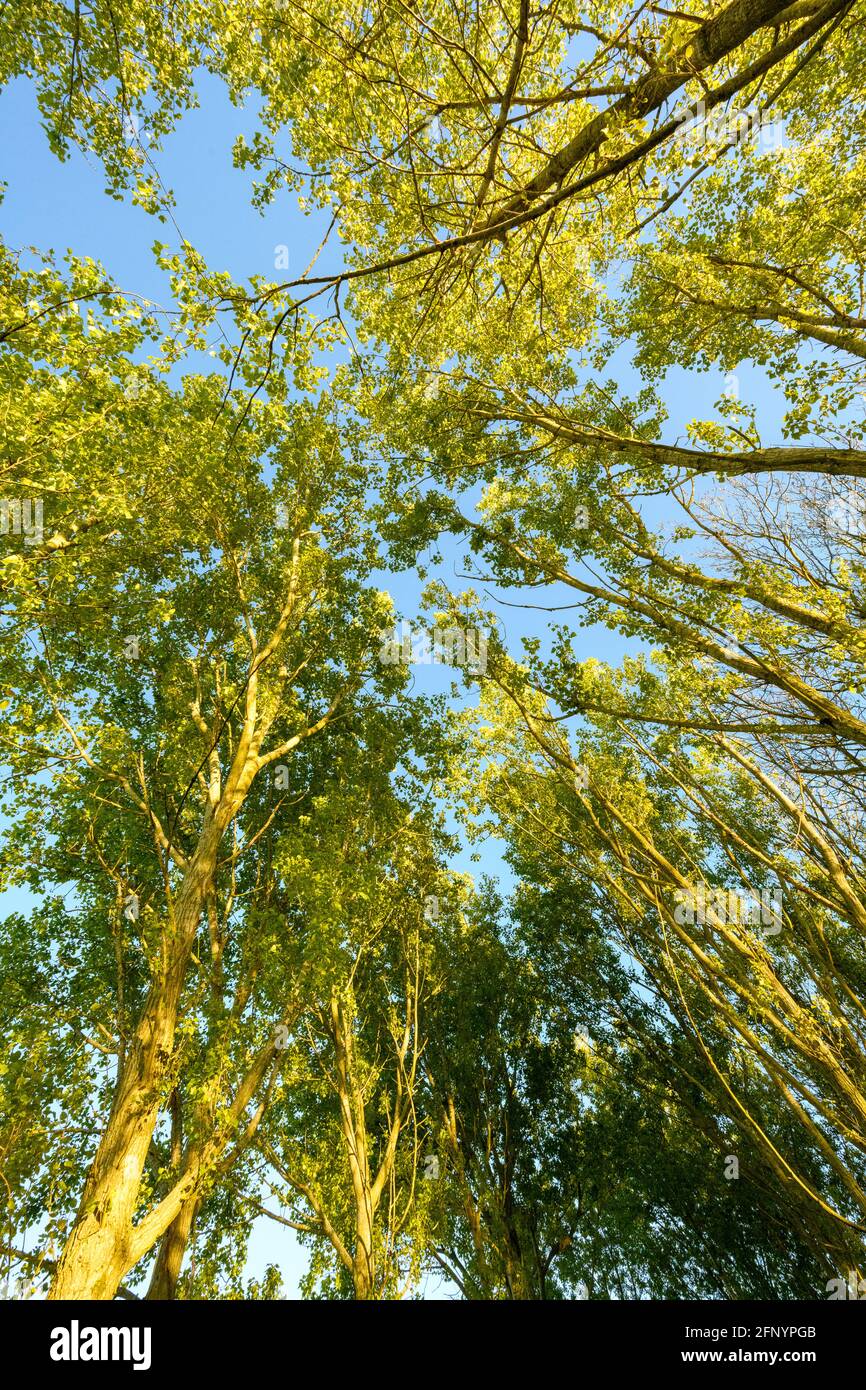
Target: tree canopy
x: 250, y: 974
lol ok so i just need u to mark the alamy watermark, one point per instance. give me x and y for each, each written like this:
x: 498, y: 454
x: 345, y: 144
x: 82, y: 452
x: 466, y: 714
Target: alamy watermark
x: 450, y: 646
x: 847, y: 514
x: 704, y: 905
x: 431, y: 1167
x: 19, y: 516
x: 718, y: 128
x: 850, y: 1287
x: 77, y: 1343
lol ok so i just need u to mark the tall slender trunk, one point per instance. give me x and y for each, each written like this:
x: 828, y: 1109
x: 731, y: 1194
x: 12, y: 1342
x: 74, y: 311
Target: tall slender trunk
x: 363, y: 1270
x: 363, y: 1280
x: 172, y: 1248
x: 101, y: 1246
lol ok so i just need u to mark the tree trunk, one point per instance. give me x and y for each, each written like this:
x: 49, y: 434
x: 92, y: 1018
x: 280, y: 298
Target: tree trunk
x: 101, y: 1246
x: 363, y: 1271
x: 361, y: 1275
x: 172, y: 1248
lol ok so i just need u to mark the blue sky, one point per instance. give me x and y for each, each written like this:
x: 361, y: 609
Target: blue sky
x: 55, y: 206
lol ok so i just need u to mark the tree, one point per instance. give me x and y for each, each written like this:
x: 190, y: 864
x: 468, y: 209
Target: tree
x: 541, y: 211
x: 731, y: 926
x: 236, y: 612
x: 344, y: 1142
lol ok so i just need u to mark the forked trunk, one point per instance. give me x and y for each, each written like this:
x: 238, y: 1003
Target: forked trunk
x: 101, y: 1245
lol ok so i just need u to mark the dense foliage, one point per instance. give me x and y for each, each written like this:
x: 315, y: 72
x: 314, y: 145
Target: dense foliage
x: 254, y: 979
